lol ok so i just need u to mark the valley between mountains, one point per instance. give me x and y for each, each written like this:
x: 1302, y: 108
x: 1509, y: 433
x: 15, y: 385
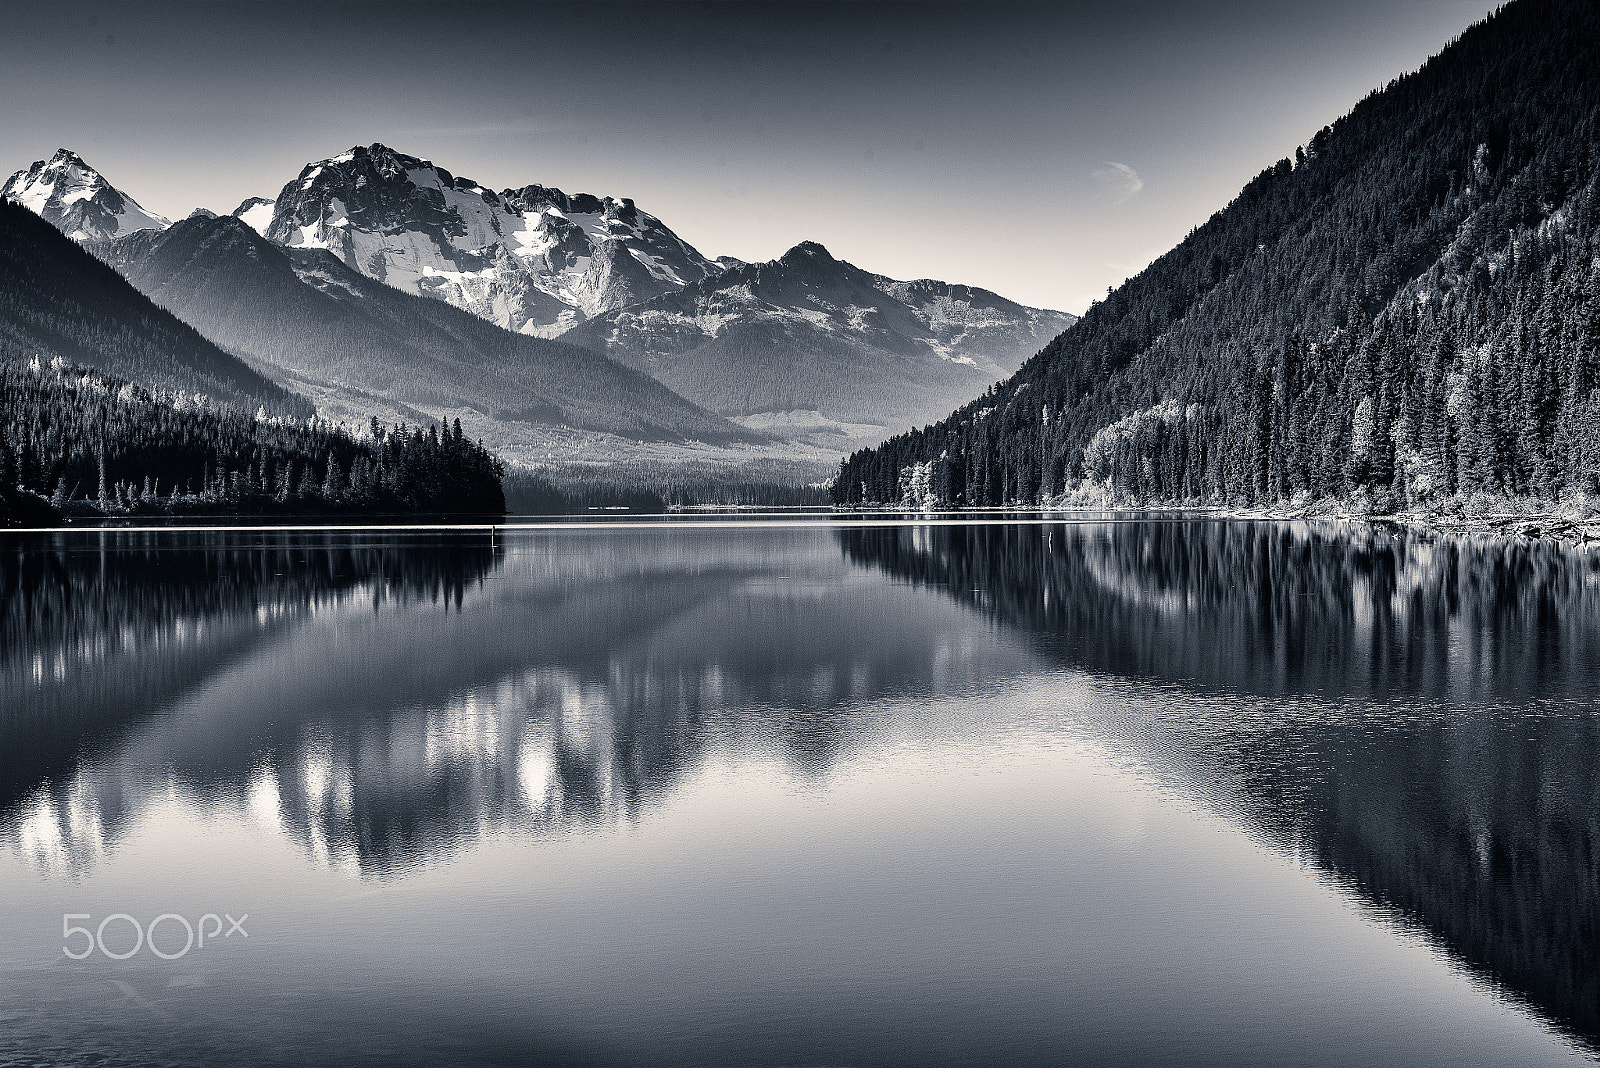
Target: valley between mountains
x: 567, y: 331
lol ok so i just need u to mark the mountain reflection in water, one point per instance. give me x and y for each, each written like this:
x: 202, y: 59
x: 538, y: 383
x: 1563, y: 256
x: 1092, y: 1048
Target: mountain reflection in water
x: 104, y: 631
x: 1423, y: 724
x: 1414, y: 716
x: 306, y: 681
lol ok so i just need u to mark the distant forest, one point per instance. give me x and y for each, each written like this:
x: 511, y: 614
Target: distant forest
x: 1407, y: 314
x: 648, y: 487
x: 91, y: 444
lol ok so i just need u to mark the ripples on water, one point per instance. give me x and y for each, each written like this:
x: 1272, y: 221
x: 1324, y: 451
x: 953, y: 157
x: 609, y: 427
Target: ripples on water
x: 449, y: 734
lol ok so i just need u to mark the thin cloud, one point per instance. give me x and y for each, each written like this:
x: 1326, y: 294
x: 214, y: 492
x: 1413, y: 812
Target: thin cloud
x: 1119, y: 180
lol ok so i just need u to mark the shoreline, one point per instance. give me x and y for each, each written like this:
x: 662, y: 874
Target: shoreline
x: 1532, y: 523
x: 1526, y: 524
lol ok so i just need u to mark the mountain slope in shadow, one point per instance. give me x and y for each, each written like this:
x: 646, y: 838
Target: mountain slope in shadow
x: 356, y: 343
x: 56, y: 300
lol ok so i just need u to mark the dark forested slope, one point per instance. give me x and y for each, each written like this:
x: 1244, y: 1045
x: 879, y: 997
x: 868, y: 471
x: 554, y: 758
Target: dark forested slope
x: 58, y: 301
x: 1407, y: 312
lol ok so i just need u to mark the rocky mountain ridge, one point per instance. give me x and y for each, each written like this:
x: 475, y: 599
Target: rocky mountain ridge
x: 811, y: 346
x: 534, y: 260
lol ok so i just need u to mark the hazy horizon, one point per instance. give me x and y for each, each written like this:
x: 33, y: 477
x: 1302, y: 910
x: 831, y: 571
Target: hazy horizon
x: 1043, y: 152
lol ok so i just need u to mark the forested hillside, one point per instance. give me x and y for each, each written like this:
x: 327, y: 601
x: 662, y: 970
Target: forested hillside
x: 1407, y: 313
x: 102, y: 445
x: 56, y: 300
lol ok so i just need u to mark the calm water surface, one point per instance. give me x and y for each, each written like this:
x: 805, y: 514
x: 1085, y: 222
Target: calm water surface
x: 1138, y: 793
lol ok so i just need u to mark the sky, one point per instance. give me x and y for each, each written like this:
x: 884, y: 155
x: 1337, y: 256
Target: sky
x: 1046, y: 152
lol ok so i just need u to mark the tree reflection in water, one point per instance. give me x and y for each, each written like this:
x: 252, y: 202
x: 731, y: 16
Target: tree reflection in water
x: 1415, y: 714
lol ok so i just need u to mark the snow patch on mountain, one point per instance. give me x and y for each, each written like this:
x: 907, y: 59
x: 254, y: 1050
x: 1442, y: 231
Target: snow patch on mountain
x: 256, y: 213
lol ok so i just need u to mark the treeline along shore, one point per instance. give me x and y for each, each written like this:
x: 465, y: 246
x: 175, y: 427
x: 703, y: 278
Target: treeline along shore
x: 78, y: 443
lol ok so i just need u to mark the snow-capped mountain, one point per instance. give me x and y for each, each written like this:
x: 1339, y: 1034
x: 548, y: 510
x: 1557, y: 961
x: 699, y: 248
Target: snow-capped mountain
x: 811, y: 347
x: 806, y: 348
x: 77, y: 200
x: 534, y: 260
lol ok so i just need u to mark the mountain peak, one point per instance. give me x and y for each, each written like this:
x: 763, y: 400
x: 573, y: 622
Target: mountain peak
x: 65, y: 163
x: 65, y: 157
x: 78, y: 200
x: 380, y: 152
x: 807, y: 252
x: 818, y: 350
x: 385, y: 160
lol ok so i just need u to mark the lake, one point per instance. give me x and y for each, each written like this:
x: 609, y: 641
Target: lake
x: 1141, y: 791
